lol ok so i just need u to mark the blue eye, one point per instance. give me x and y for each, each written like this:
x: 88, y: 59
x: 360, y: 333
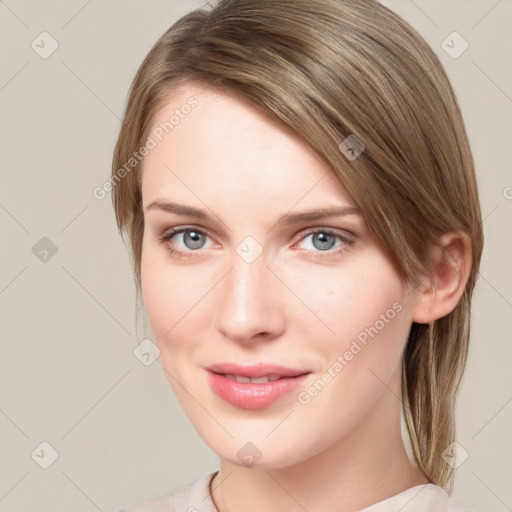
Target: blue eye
x: 193, y: 239
x: 323, y: 240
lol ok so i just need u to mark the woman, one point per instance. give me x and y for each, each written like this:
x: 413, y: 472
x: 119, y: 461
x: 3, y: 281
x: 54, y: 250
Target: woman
x: 298, y: 191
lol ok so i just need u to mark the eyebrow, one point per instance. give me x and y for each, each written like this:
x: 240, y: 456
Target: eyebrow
x: 287, y: 218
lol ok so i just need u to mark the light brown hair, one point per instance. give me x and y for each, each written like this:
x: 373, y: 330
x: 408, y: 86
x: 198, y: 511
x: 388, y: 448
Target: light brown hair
x: 328, y: 69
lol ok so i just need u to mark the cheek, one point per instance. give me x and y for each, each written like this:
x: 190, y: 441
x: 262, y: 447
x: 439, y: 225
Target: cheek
x: 176, y: 302
x: 361, y: 321
x: 173, y: 299
x: 157, y: 295
x: 345, y: 303
x: 361, y: 360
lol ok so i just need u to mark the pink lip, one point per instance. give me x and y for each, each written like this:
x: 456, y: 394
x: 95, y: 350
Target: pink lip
x: 249, y: 395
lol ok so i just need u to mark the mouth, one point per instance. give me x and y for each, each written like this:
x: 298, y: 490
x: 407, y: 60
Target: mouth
x: 254, y: 386
x: 256, y: 371
x: 255, y: 380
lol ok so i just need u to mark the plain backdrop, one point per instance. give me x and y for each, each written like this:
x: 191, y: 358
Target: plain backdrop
x: 84, y: 425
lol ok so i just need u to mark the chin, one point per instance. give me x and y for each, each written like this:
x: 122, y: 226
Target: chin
x: 264, y: 454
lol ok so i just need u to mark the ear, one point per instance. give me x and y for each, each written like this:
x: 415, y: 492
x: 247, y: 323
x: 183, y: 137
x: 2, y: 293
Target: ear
x: 440, y: 291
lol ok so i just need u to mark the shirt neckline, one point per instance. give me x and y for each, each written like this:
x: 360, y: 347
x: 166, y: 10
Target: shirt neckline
x: 370, y: 508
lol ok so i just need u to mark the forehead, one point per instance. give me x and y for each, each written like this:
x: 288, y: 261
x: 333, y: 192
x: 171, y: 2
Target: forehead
x: 215, y: 145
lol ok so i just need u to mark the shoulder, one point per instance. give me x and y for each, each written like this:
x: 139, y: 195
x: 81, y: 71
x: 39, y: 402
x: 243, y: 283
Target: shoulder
x: 434, y: 498
x: 440, y: 498
x: 453, y: 505
x: 421, y: 498
x: 192, y: 498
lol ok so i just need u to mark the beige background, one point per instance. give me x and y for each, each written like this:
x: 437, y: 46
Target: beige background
x: 68, y: 374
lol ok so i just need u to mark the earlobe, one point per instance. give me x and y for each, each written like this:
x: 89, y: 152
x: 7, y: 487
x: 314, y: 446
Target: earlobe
x: 441, y: 290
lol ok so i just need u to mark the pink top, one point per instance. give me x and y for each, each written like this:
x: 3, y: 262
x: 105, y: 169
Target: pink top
x: 196, y: 498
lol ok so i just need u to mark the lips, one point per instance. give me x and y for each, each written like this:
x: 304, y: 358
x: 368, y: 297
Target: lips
x: 256, y: 370
x: 253, y: 386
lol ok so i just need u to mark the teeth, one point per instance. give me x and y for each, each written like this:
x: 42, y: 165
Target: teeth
x: 260, y: 379
x: 257, y: 380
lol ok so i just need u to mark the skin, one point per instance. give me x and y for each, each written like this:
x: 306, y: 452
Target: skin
x: 343, y: 450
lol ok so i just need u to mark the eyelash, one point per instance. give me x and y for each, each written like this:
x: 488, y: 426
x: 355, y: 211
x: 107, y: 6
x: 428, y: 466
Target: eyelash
x: 168, y: 235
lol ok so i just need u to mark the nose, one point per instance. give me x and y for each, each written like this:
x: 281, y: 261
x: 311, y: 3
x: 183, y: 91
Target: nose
x: 250, y: 306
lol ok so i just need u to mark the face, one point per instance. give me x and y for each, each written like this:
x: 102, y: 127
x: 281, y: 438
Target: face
x: 231, y: 275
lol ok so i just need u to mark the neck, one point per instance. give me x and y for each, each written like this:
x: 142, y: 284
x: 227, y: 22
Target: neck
x: 366, y: 466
